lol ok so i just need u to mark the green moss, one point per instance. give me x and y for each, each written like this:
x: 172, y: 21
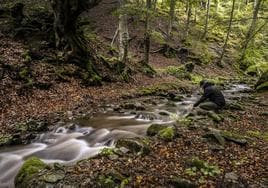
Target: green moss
x: 199, y: 165
x: 159, y: 88
x: 30, y: 167
x: 263, y: 86
x: 107, y: 151
x: 158, y: 37
x: 258, y: 134
x: 5, y: 139
x: 167, y: 134
x: 154, y: 129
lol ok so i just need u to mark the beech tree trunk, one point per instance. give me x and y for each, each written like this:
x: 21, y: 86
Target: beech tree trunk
x: 147, y: 41
x: 66, y: 13
x: 123, y: 34
x: 189, y: 14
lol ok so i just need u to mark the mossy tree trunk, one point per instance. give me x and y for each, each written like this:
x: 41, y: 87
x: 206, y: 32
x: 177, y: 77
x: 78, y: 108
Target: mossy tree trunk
x: 171, y: 17
x: 66, y: 14
x: 250, y: 32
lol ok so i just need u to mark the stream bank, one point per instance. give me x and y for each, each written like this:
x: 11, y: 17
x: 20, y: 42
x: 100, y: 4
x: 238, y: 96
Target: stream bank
x: 192, y: 131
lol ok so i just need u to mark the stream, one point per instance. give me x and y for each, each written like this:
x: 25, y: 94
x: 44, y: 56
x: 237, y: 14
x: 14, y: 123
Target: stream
x: 86, y: 137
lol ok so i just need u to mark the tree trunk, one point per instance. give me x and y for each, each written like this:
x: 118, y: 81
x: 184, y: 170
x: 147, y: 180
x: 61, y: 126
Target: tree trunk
x: 66, y: 13
x: 189, y: 14
x: 207, y: 20
x: 228, y: 33
x: 171, y: 17
x: 123, y: 34
x: 147, y: 40
x: 251, y: 28
x: 217, y: 3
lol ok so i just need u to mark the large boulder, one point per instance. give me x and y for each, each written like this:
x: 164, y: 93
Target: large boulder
x: 29, y: 169
x: 135, y: 145
x: 262, y: 83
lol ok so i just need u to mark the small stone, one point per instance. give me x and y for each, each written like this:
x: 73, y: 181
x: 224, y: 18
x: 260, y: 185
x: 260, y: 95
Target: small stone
x: 181, y: 183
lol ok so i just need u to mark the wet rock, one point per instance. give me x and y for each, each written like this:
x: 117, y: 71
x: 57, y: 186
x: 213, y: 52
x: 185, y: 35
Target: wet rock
x: 181, y: 183
x: 154, y: 129
x: 135, y: 145
x: 164, y: 113
x: 53, y: 177
x: 30, y: 168
x: 177, y: 98
x: 167, y: 133
x: 133, y: 106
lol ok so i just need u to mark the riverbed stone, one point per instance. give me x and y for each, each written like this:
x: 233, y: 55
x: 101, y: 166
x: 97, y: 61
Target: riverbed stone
x: 215, y: 136
x: 135, y: 145
x: 179, y: 182
x: 154, y: 129
x: 30, y: 168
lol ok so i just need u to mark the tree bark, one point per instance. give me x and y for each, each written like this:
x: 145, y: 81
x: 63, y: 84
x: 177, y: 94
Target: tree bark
x: 123, y: 33
x: 228, y: 33
x: 251, y: 28
x: 66, y: 13
x: 171, y: 17
x: 207, y: 20
x: 189, y: 14
x: 147, y: 40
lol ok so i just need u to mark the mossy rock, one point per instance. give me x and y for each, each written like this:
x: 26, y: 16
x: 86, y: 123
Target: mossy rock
x: 235, y: 106
x: 179, y: 182
x: 135, y: 145
x: 262, y: 83
x: 167, y: 133
x: 262, y: 87
x: 112, y: 178
x: 215, y: 117
x: 154, y: 129
x: 5, y: 139
x: 30, y: 168
x: 234, y: 137
x: 215, y: 136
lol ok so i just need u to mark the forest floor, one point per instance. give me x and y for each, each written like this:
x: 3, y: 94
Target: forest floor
x: 248, y: 163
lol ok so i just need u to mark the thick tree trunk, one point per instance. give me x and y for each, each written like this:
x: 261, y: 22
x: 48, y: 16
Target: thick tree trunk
x: 228, y: 33
x: 147, y: 41
x: 66, y: 13
x: 251, y: 28
x: 207, y: 20
x: 123, y: 34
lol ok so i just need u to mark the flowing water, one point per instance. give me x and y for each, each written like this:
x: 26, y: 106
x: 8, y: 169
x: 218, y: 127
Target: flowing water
x: 84, y: 138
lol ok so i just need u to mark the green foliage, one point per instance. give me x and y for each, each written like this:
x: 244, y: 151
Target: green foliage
x: 167, y: 133
x: 158, y: 37
x: 205, y: 168
x: 107, y: 151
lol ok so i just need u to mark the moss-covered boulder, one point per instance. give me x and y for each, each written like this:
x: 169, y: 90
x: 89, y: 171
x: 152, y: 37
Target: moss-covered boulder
x: 29, y: 169
x: 234, y: 137
x: 215, y: 136
x: 179, y: 182
x: 215, y: 117
x: 262, y: 83
x: 167, y: 134
x: 154, y: 129
x: 135, y: 145
x: 5, y: 139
